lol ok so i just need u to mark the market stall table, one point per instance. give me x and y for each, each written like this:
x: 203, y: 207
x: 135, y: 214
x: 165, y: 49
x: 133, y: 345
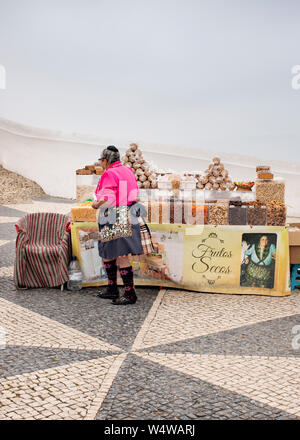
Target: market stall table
x: 216, y: 259
x: 210, y: 234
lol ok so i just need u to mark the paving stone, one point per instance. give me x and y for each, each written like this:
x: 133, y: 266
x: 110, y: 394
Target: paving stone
x: 268, y: 338
x: 173, y: 355
x: 188, y: 388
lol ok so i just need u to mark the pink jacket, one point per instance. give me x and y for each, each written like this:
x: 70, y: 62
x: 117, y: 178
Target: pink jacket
x: 118, y: 185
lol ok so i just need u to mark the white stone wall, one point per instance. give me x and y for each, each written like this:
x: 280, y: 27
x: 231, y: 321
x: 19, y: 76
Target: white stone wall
x: 49, y: 161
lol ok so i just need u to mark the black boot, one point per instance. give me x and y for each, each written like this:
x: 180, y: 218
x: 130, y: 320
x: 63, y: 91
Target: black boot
x: 111, y: 291
x: 129, y: 296
x: 124, y: 300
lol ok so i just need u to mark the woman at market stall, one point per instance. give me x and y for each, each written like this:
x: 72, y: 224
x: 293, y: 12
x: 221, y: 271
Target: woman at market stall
x: 119, y: 230
x: 260, y: 262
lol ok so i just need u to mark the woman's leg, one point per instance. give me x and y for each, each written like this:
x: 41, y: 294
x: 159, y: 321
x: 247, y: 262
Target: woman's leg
x: 111, y: 292
x: 123, y: 261
x: 126, y: 273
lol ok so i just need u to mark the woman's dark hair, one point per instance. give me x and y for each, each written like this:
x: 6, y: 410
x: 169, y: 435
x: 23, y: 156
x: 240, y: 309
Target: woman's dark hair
x: 111, y: 154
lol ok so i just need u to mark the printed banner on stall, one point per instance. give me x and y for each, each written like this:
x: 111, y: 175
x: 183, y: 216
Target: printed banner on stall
x: 222, y: 259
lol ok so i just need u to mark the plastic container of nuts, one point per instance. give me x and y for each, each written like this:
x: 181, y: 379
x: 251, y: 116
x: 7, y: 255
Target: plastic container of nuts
x: 257, y: 214
x: 176, y: 211
x: 268, y: 191
x: 238, y: 213
x: 218, y: 212
x: 194, y: 213
x: 276, y: 215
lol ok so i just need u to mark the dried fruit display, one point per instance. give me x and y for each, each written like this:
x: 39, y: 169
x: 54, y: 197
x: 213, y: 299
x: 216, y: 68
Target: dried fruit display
x: 276, y: 214
x: 238, y: 213
x: 265, y: 175
x: 257, y: 214
x: 265, y: 168
x: 145, y: 175
x: 194, y: 214
x: 84, y: 172
x: 244, y: 186
x: 218, y: 213
x: 215, y: 177
x: 264, y: 172
x: 268, y: 191
x: 84, y: 213
x: 176, y: 211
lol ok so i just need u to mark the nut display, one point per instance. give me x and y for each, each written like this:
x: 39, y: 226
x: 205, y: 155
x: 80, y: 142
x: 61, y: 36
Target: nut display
x: 84, y: 213
x: 175, y: 181
x: 176, y: 211
x: 231, y: 186
x: 238, y: 213
x: 153, y: 212
x: 215, y: 177
x: 263, y: 168
x: 133, y: 147
x: 257, y: 214
x: 265, y: 175
x: 194, y: 214
x: 142, y: 170
x: 244, y: 186
x: 84, y: 172
x: 132, y: 158
x: 268, y: 191
x: 218, y: 213
x: 276, y: 215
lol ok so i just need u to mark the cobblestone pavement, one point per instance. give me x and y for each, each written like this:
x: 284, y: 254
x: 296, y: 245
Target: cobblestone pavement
x: 172, y: 355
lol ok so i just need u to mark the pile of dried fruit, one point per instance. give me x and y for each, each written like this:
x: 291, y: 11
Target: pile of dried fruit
x: 145, y: 175
x: 216, y: 177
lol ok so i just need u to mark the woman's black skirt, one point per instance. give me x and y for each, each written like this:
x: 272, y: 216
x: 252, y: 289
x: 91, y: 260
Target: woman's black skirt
x: 119, y: 231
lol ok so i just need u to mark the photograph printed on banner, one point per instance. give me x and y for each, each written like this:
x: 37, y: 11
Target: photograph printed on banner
x: 258, y: 260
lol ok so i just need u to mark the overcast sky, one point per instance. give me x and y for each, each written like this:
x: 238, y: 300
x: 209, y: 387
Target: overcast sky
x: 202, y: 73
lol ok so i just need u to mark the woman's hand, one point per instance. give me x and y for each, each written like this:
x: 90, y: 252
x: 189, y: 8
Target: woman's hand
x: 96, y: 204
x: 246, y: 260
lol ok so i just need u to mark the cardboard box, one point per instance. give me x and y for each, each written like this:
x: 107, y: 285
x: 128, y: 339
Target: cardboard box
x: 294, y: 254
x: 294, y: 241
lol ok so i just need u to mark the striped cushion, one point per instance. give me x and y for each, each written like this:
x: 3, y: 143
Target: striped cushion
x: 43, y: 250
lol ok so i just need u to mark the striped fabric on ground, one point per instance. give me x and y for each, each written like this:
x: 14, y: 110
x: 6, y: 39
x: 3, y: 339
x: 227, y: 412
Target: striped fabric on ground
x: 43, y: 250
